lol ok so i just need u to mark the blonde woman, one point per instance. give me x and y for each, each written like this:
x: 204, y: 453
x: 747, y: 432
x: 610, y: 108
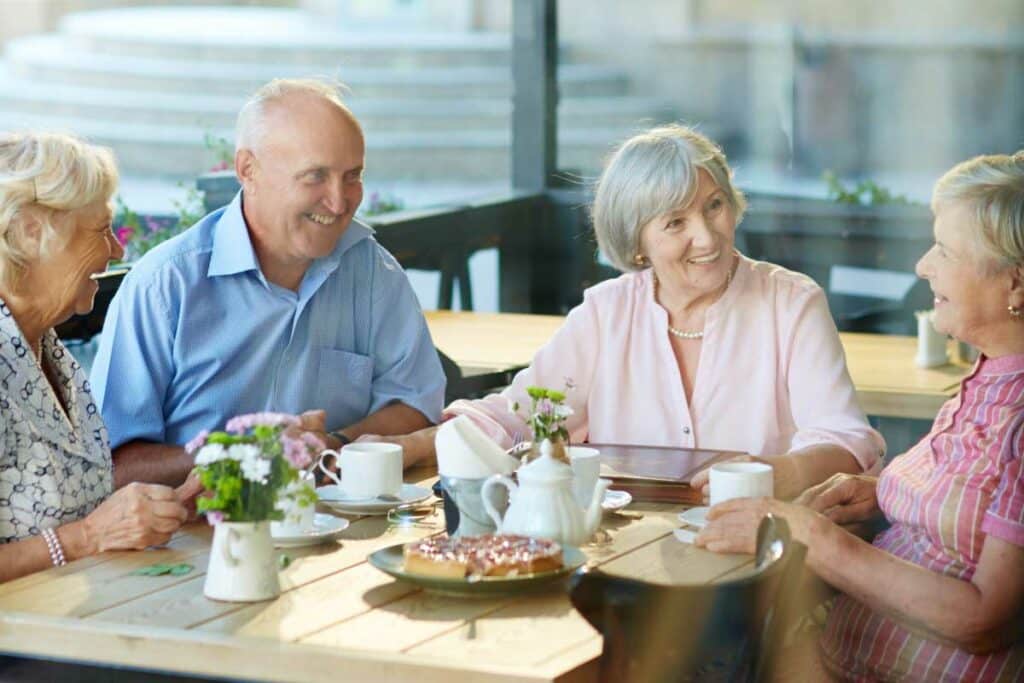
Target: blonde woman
x: 939, y: 595
x: 56, y: 485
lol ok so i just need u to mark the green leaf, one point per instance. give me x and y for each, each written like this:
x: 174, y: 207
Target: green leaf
x: 160, y: 569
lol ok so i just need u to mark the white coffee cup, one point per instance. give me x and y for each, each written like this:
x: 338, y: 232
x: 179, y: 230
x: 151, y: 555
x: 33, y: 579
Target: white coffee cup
x: 298, y: 523
x: 740, y: 480
x: 299, y: 520
x: 368, y: 470
x: 586, y: 469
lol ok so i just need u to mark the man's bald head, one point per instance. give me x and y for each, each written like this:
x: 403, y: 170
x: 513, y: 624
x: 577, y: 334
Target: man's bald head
x: 253, y: 125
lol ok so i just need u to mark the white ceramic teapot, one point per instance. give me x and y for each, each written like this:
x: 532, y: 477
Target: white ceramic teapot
x: 543, y: 504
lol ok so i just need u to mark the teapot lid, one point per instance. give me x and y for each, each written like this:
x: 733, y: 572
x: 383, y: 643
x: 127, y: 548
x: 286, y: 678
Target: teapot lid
x: 545, y: 469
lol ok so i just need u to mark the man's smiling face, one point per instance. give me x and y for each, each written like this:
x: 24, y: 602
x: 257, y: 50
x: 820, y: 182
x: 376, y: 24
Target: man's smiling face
x: 303, y: 182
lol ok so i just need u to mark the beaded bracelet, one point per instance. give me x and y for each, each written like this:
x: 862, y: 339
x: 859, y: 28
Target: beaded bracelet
x: 56, y: 549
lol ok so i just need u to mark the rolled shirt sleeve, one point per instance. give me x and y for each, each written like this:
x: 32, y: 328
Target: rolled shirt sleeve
x: 1004, y: 518
x: 823, y: 400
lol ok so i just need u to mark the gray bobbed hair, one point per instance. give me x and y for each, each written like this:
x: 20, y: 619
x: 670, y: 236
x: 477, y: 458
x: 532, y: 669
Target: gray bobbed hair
x: 649, y: 175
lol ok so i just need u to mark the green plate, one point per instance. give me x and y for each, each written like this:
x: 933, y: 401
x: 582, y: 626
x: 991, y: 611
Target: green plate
x: 391, y: 561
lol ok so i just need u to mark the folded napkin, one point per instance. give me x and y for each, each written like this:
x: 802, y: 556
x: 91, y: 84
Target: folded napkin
x: 464, y: 451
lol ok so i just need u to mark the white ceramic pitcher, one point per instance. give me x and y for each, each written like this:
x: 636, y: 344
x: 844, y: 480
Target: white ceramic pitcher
x: 543, y: 504
x: 243, y: 566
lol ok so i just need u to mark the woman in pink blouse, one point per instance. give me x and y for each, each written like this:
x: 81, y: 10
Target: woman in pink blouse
x: 939, y: 596
x: 695, y: 345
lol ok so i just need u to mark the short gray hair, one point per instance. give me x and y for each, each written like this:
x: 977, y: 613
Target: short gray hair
x: 55, y: 174
x: 993, y: 186
x: 250, y: 128
x: 649, y: 175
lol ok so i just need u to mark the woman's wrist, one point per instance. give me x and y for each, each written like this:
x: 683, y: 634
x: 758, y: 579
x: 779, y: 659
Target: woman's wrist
x: 78, y: 540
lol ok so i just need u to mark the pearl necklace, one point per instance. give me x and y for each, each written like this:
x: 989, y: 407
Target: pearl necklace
x: 683, y: 334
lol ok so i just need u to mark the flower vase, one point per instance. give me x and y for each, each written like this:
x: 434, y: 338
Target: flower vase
x: 243, y: 566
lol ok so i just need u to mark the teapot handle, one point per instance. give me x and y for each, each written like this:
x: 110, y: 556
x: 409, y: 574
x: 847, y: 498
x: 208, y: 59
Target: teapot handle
x: 485, y: 496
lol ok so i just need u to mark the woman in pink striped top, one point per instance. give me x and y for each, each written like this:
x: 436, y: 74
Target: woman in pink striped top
x: 939, y: 596
x: 695, y: 345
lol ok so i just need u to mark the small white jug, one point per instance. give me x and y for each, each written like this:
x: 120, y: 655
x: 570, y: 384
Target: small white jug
x: 243, y: 566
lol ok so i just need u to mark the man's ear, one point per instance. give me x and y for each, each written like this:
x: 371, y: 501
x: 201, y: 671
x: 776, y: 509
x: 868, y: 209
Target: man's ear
x: 246, y: 169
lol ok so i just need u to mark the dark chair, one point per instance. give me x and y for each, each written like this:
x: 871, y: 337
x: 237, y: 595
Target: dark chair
x: 727, y: 631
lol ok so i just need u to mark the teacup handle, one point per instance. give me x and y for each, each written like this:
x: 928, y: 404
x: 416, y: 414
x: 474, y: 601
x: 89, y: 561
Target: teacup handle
x: 485, y: 497
x: 330, y: 475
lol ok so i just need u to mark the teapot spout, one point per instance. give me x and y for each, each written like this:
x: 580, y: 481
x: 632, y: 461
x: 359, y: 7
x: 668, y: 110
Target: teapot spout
x: 594, y: 511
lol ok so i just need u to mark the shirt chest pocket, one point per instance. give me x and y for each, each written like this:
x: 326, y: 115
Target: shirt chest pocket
x: 345, y: 386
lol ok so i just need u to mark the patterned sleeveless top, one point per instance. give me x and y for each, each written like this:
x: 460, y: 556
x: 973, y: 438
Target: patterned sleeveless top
x: 55, y: 467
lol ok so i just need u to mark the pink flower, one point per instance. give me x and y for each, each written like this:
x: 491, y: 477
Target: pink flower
x: 214, y: 517
x: 197, y: 442
x: 313, y: 441
x: 220, y: 166
x: 296, y: 451
x: 124, y: 234
x: 545, y: 406
x: 239, y: 425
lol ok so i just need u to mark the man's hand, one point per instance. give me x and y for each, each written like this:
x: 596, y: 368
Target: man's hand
x: 844, y: 498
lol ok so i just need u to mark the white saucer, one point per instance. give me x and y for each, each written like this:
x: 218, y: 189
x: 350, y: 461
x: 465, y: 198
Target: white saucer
x: 695, y: 517
x: 325, y: 528
x: 336, y: 499
x: 615, y: 500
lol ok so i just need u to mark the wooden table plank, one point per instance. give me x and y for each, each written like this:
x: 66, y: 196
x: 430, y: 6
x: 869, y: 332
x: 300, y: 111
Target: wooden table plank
x: 667, y: 560
x: 185, y: 605
x: 520, y: 632
x: 105, y: 584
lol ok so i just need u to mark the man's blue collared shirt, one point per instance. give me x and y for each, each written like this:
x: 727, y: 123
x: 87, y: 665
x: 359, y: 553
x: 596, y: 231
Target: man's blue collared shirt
x: 196, y: 335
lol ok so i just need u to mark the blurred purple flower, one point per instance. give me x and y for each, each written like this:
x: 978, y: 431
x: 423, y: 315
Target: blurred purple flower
x: 296, y: 452
x: 545, y: 406
x: 241, y: 423
x: 197, y: 442
x: 214, y: 517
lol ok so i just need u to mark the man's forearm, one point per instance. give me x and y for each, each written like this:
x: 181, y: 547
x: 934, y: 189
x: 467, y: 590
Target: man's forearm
x: 152, y: 463
x: 396, y: 418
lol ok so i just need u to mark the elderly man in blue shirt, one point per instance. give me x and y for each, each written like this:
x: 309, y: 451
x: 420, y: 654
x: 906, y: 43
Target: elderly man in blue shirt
x: 279, y: 301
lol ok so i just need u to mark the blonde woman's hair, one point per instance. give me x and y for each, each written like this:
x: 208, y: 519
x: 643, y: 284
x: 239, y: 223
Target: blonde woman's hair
x: 993, y: 186
x: 251, y: 127
x: 49, y: 175
x: 649, y: 175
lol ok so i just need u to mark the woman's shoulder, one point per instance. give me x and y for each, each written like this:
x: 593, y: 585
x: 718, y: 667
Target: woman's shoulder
x: 618, y: 290
x: 778, y: 278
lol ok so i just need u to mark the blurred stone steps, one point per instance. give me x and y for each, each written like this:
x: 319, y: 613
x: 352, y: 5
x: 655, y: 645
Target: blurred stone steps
x: 155, y: 82
x: 257, y: 35
x: 20, y: 95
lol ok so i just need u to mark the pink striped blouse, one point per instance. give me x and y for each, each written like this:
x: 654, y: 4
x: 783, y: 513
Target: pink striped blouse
x: 958, y: 485
x: 772, y: 375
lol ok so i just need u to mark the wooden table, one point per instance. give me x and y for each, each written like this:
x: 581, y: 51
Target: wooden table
x: 882, y: 366
x: 338, y: 618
